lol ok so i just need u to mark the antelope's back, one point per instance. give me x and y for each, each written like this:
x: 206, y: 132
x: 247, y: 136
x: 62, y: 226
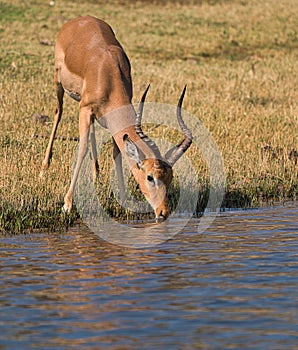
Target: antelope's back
x: 83, y: 38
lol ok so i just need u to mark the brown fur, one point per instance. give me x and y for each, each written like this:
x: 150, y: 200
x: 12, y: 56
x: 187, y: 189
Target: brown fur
x: 92, y: 67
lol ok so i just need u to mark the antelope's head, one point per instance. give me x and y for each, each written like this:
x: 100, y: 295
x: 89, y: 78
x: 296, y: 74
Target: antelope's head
x: 154, y: 174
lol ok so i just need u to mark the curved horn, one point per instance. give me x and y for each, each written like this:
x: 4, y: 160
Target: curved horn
x: 138, y: 127
x: 140, y: 113
x: 177, y: 151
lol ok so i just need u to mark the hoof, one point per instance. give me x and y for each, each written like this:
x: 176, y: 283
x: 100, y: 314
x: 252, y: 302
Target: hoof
x: 66, y: 208
x: 43, y: 170
x: 41, y: 175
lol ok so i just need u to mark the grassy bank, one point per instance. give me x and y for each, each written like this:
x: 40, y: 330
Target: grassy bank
x: 238, y: 58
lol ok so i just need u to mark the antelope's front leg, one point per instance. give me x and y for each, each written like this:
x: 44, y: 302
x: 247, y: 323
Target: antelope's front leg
x: 119, y: 170
x: 57, y: 118
x: 84, y: 128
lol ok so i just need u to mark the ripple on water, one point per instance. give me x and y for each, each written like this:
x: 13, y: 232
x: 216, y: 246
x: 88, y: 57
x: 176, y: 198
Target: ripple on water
x: 232, y: 286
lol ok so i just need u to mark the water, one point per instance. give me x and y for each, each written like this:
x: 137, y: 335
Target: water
x: 234, y: 286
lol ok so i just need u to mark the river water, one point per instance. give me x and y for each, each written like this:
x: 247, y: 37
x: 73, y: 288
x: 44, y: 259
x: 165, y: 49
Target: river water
x: 234, y: 286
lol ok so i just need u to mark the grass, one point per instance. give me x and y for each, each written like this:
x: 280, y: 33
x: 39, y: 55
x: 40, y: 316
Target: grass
x: 238, y: 58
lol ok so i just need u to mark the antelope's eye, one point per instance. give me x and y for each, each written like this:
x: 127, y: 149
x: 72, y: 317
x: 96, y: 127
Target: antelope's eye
x: 150, y: 178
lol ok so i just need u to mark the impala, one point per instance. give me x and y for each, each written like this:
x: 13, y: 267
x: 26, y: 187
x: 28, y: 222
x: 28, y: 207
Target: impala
x: 92, y: 68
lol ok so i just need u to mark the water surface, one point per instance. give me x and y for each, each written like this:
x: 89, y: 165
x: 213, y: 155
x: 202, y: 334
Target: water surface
x: 234, y: 286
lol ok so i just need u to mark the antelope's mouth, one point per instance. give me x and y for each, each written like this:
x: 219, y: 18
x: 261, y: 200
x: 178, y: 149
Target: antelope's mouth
x: 160, y: 219
x: 161, y: 216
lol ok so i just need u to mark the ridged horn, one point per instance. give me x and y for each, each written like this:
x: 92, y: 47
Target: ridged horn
x: 138, y: 127
x: 177, y: 151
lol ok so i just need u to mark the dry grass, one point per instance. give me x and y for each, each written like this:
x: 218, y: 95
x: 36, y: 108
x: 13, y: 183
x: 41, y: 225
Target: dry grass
x: 238, y: 58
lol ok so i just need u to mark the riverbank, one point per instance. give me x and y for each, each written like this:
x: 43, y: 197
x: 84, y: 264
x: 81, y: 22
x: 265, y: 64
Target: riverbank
x: 238, y: 59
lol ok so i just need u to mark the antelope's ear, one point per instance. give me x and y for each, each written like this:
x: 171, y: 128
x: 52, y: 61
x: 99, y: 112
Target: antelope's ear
x: 133, y: 151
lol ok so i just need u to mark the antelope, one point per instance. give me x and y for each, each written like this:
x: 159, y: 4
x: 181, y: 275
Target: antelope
x: 92, y: 68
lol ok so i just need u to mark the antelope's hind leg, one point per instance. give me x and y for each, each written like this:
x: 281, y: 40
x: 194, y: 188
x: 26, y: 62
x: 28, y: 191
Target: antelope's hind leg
x: 57, y: 118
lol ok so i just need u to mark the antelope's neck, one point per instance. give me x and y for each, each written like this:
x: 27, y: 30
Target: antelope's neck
x: 122, y: 121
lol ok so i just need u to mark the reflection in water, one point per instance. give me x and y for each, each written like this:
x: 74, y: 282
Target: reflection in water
x: 233, y: 286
